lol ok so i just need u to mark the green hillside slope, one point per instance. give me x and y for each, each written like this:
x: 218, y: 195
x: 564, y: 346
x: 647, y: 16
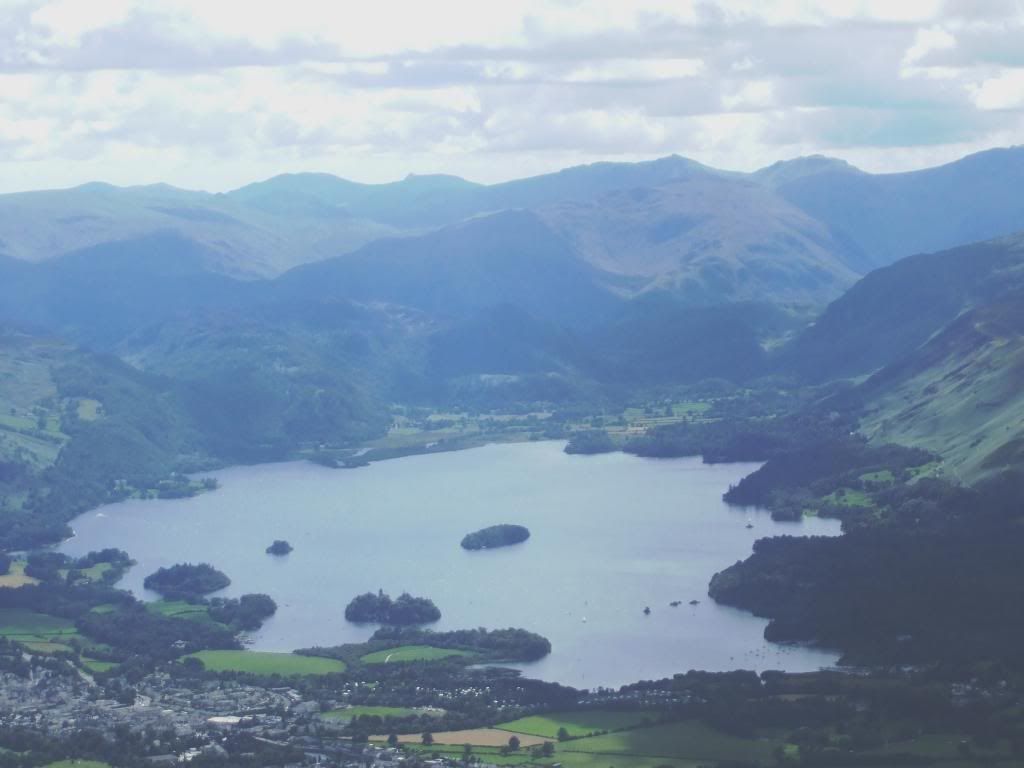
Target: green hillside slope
x: 961, y: 395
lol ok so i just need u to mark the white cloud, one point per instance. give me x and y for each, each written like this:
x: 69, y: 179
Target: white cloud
x: 1003, y: 91
x: 627, y: 70
x: 214, y: 94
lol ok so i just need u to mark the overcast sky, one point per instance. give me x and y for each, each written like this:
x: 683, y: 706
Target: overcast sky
x: 212, y: 94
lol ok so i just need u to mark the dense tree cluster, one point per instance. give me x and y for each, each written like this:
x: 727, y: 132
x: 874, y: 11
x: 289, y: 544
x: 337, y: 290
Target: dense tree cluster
x: 502, y: 535
x: 938, y: 577
x: 244, y: 613
x: 510, y: 644
x: 740, y: 438
x: 186, y: 581
x: 590, y: 441
x: 792, y: 481
x: 279, y: 547
x: 380, y: 608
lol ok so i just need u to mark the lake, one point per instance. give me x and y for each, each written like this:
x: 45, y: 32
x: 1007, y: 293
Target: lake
x: 611, y: 534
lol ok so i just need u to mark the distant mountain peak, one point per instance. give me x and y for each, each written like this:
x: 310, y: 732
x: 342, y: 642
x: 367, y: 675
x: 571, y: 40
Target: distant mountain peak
x: 807, y: 165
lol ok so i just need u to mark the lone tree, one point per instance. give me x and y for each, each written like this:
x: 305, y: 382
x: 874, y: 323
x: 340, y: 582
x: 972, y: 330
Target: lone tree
x: 513, y: 743
x: 547, y: 749
x: 392, y: 739
x: 563, y: 735
x: 427, y: 738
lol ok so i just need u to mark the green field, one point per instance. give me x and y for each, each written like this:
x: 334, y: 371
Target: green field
x: 265, y: 663
x: 95, y: 572
x: 78, y: 764
x: 45, y: 646
x: 412, y: 653
x: 95, y: 665
x: 687, y: 740
x: 24, y: 625
x: 566, y: 759
x: 88, y: 409
x: 848, y: 497
x: 179, y: 609
x: 688, y: 743
x: 577, y: 724
x: 882, y: 477
x: 16, y: 577
x: 348, y: 713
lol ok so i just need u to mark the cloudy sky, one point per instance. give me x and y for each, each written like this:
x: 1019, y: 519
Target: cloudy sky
x: 212, y: 94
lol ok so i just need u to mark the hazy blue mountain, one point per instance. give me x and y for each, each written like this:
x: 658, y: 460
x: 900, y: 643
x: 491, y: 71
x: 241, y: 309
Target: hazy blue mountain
x: 503, y: 340
x: 508, y: 258
x: 801, y: 228
x: 937, y: 341
x: 889, y: 216
x: 893, y: 310
x: 786, y: 171
x: 709, y: 240
x: 97, y: 295
x: 424, y: 202
x: 238, y: 240
x: 658, y: 339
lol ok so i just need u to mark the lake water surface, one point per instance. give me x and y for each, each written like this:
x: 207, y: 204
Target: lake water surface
x: 611, y: 534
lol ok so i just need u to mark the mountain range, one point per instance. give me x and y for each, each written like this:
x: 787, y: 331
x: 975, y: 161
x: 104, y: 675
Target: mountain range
x: 298, y: 309
x: 805, y: 229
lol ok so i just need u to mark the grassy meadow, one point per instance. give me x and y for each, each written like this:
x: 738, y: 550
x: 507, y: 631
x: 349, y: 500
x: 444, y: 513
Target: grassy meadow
x: 406, y: 653
x: 577, y: 724
x: 266, y: 663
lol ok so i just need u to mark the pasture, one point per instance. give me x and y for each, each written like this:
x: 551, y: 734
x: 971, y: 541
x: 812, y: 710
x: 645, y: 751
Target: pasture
x: 685, y: 740
x: 406, y: 653
x: 577, y: 724
x: 267, y: 663
x: 179, y: 609
x: 95, y: 665
x: 16, y: 576
x: 683, y: 744
x: 24, y: 625
x: 478, y: 737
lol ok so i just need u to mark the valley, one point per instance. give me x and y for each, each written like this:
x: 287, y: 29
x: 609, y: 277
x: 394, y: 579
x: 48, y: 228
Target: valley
x: 686, y: 383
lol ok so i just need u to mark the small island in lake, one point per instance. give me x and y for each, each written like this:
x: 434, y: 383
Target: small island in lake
x: 503, y: 535
x: 380, y: 608
x: 186, y: 581
x: 279, y: 547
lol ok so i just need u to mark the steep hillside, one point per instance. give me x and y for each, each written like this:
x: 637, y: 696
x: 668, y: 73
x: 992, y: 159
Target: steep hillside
x: 78, y: 429
x: 960, y: 395
x: 709, y: 241
x: 508, y: 258
x: 236, y: 239
x: 803, y: 227
x: 889, y: 216
x: 939, y: 339
x: 97, y: 295
x: 656, y: 339
x: 894, y: 310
